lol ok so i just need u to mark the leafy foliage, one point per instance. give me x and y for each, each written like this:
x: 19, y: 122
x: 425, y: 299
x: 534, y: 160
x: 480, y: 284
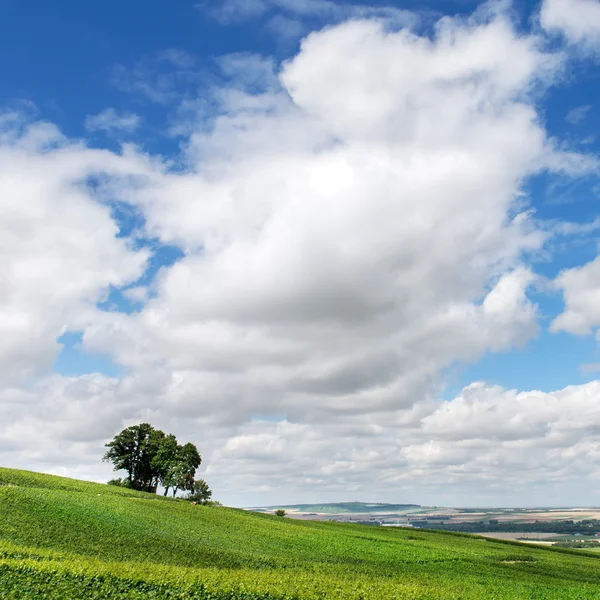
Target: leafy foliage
x: 118, y: 482
x: 137, y: 450
x: 149, y: 456
x: 62, y: 538
x: 180, y: 469
x: 200, y: 492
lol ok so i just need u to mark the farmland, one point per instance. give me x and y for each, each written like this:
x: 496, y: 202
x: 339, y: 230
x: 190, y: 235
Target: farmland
x: 577, y: 528
x: 62, y: 538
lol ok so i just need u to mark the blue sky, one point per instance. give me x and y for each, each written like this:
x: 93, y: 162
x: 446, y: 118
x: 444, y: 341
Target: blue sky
x: 195, y: 281
x: 69, y: 72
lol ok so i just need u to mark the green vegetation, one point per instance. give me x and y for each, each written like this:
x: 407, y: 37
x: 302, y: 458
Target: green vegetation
x: 200, y: 492
x: 584, y: 527
x: 586, y: 544
x: 150, y: 456
x: 61, y: 539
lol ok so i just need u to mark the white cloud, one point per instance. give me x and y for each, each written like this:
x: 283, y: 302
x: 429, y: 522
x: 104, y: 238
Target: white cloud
x: 109, y: 120
x: 58, y: 247
x: 567, y: 228
x: 138, y: 293
x: 232, y: 11
x: 347, y: 245
x: 351, y: 229
x: 177, y: 57
x: 486, y: 444
x: 577, y: 20
x: 581, y: 289
x: 161, y: 78
x: 577, y: 114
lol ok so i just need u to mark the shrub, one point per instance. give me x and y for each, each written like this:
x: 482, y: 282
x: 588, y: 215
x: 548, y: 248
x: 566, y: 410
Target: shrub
x: 118, y: 482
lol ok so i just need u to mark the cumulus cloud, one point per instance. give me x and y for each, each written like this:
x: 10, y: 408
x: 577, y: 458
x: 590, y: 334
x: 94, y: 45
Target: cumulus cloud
x: 577, y: 20
x: 486, y: 443
x: 352, y: 225
x: 472, y: 446
x: 59, y: 247
x: 581, y: 289
x: 347, y: 238
x: 109, y: 120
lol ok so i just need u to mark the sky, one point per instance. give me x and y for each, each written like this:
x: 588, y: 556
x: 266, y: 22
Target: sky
x: 350, y: 250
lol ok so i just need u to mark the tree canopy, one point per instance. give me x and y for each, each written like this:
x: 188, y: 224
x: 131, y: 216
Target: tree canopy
x: 200, y: 492
x: 151, y: 457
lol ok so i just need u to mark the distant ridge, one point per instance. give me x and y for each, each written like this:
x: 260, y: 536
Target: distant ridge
x: 342, y: 507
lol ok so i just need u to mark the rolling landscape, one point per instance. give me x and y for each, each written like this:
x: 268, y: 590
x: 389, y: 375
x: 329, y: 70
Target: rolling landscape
x: 565, y: 527
x: 64, y: 538
x: 300, y: 300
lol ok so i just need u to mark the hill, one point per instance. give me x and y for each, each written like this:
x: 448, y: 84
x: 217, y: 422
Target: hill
x: 338, y: 508
x: 62, y: 538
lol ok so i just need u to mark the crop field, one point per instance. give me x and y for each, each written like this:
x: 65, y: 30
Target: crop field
x: 62, y: 538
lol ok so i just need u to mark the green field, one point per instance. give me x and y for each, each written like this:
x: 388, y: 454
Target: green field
x: 62, y: 538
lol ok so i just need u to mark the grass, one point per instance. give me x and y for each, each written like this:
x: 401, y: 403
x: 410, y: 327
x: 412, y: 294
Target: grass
x: 62, y: 538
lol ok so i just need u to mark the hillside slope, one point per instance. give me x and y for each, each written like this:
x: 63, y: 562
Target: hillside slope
x: 62, y: 538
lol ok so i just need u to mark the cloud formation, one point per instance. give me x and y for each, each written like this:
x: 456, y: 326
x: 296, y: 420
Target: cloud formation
x: 577, y: 20
x: 110, y: 121
x: 348, y: 238
x: 578, y: 114
x: 353, y: 225
x: 288, y: 21
x: 231, y: 11
x: 581, y: 289
x: 59, y: 247
x: 484, y: 444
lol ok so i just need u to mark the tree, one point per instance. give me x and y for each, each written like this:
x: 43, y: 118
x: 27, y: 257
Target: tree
x: 133, y: 450
x: 280, y: 512
x: 118, y: 482
x: 165, y: 460
x: 200, y: 492
x: 149, y: 456
x: 181, y: 471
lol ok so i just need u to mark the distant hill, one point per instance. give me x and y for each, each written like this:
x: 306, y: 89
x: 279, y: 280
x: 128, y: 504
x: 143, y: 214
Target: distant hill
x: 64, y: 539
x: 344, y: 507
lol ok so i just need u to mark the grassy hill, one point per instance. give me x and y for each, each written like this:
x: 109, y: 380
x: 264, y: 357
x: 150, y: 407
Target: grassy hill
x: 61, y: 538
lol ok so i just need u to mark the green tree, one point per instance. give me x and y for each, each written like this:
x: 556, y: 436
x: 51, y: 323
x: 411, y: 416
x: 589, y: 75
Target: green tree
x: 200, y: 492
x: 133, y: 450
x: 181, y: 471
x: 149, y: 456
x: 165, y: 460
x: 118, y: 482
x: 280, y: 512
